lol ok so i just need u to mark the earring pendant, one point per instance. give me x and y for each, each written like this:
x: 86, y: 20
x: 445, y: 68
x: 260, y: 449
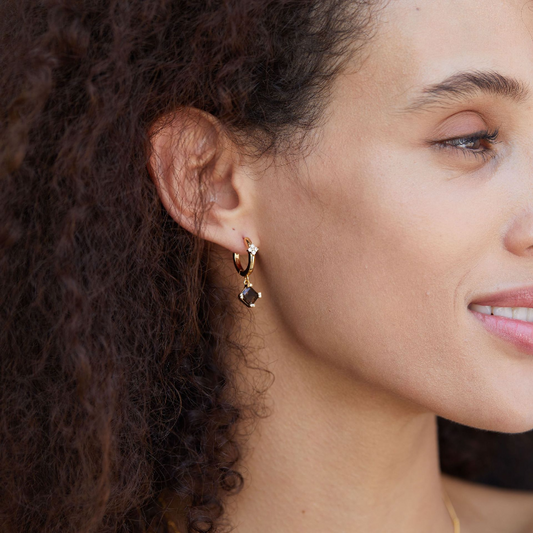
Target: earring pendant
x: 248, y: 296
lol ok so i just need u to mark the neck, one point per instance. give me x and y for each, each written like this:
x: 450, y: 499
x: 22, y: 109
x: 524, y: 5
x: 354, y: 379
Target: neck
x: 336, y: 454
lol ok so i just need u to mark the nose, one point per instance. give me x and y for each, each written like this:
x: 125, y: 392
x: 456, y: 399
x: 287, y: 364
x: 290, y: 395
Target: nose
x: 519, y: 237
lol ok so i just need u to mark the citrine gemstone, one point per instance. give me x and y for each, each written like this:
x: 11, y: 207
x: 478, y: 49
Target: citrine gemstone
x: 249, y: 296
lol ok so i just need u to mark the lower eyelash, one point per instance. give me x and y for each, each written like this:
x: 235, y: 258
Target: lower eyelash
x: 486, y: 154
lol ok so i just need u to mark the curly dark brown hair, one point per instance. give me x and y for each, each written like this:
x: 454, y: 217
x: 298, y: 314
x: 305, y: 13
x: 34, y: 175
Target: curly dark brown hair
x: 116, y: 384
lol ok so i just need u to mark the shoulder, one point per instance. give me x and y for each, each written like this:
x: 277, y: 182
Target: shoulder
x: 486, y: 509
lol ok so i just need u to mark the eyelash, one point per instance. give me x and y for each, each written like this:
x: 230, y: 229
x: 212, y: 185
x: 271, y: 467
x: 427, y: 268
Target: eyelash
x: 485, y: 154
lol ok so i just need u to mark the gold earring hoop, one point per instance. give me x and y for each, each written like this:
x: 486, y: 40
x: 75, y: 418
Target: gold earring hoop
x: 248, y: 295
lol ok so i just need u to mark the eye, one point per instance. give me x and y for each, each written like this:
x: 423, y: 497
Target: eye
x: 479, y: 144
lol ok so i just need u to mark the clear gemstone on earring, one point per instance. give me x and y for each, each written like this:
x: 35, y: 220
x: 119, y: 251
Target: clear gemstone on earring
x: 253, y: 249
x: 249, y: 296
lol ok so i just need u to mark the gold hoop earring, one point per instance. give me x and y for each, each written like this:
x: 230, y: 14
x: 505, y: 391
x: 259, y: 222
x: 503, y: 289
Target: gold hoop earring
x: 248, y: 295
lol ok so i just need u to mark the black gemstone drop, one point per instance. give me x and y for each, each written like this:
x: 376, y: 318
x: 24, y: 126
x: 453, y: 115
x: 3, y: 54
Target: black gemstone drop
x: 249, y: 296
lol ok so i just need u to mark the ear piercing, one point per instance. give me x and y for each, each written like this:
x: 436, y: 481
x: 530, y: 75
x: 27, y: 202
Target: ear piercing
x: 248, y: 295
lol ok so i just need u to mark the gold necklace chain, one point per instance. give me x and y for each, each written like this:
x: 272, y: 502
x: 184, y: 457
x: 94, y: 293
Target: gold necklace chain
x: 451, y: 510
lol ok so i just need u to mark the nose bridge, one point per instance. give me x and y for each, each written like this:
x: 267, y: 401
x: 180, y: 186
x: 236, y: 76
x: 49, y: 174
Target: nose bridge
x: 519, y: 235
x: 528, y: 170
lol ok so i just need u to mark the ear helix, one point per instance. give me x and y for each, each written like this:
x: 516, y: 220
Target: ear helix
x: 248, y: 295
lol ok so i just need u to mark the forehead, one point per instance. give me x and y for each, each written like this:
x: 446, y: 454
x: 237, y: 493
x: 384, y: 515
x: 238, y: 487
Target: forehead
x: 424, y: 41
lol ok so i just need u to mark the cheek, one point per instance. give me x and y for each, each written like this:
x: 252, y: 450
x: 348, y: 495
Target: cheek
x: 369, y: 276
x: 363, y: 270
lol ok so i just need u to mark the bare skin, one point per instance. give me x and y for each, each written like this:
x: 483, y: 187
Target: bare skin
x: 371, y: 244
x: 481, y: 508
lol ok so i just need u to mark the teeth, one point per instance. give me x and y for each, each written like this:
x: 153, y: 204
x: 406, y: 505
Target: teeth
x: 506, y: 312
x: 518, y: 313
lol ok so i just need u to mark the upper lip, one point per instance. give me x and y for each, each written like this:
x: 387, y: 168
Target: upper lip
x: 522, y: 297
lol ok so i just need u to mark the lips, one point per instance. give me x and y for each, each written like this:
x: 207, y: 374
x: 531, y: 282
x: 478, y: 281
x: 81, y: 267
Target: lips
x: 516, y: 332
x: 522, y: 297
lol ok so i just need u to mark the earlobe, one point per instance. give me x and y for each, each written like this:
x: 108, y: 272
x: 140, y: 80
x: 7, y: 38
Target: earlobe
x: 193, y: 165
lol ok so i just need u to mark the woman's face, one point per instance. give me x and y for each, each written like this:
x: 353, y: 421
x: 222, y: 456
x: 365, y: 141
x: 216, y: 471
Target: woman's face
x: 372, y: 252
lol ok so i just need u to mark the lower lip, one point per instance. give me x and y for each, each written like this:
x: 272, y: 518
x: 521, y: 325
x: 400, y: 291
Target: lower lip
x: 517, y: 332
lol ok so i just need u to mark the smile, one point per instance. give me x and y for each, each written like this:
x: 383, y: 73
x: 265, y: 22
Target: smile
x: 518, y: 313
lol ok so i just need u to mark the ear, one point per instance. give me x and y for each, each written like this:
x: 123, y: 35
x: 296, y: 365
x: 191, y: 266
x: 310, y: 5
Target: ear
x: 191, y: 158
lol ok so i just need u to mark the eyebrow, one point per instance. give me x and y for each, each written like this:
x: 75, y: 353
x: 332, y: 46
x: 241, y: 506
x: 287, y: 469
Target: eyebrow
x: 467, y: 84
